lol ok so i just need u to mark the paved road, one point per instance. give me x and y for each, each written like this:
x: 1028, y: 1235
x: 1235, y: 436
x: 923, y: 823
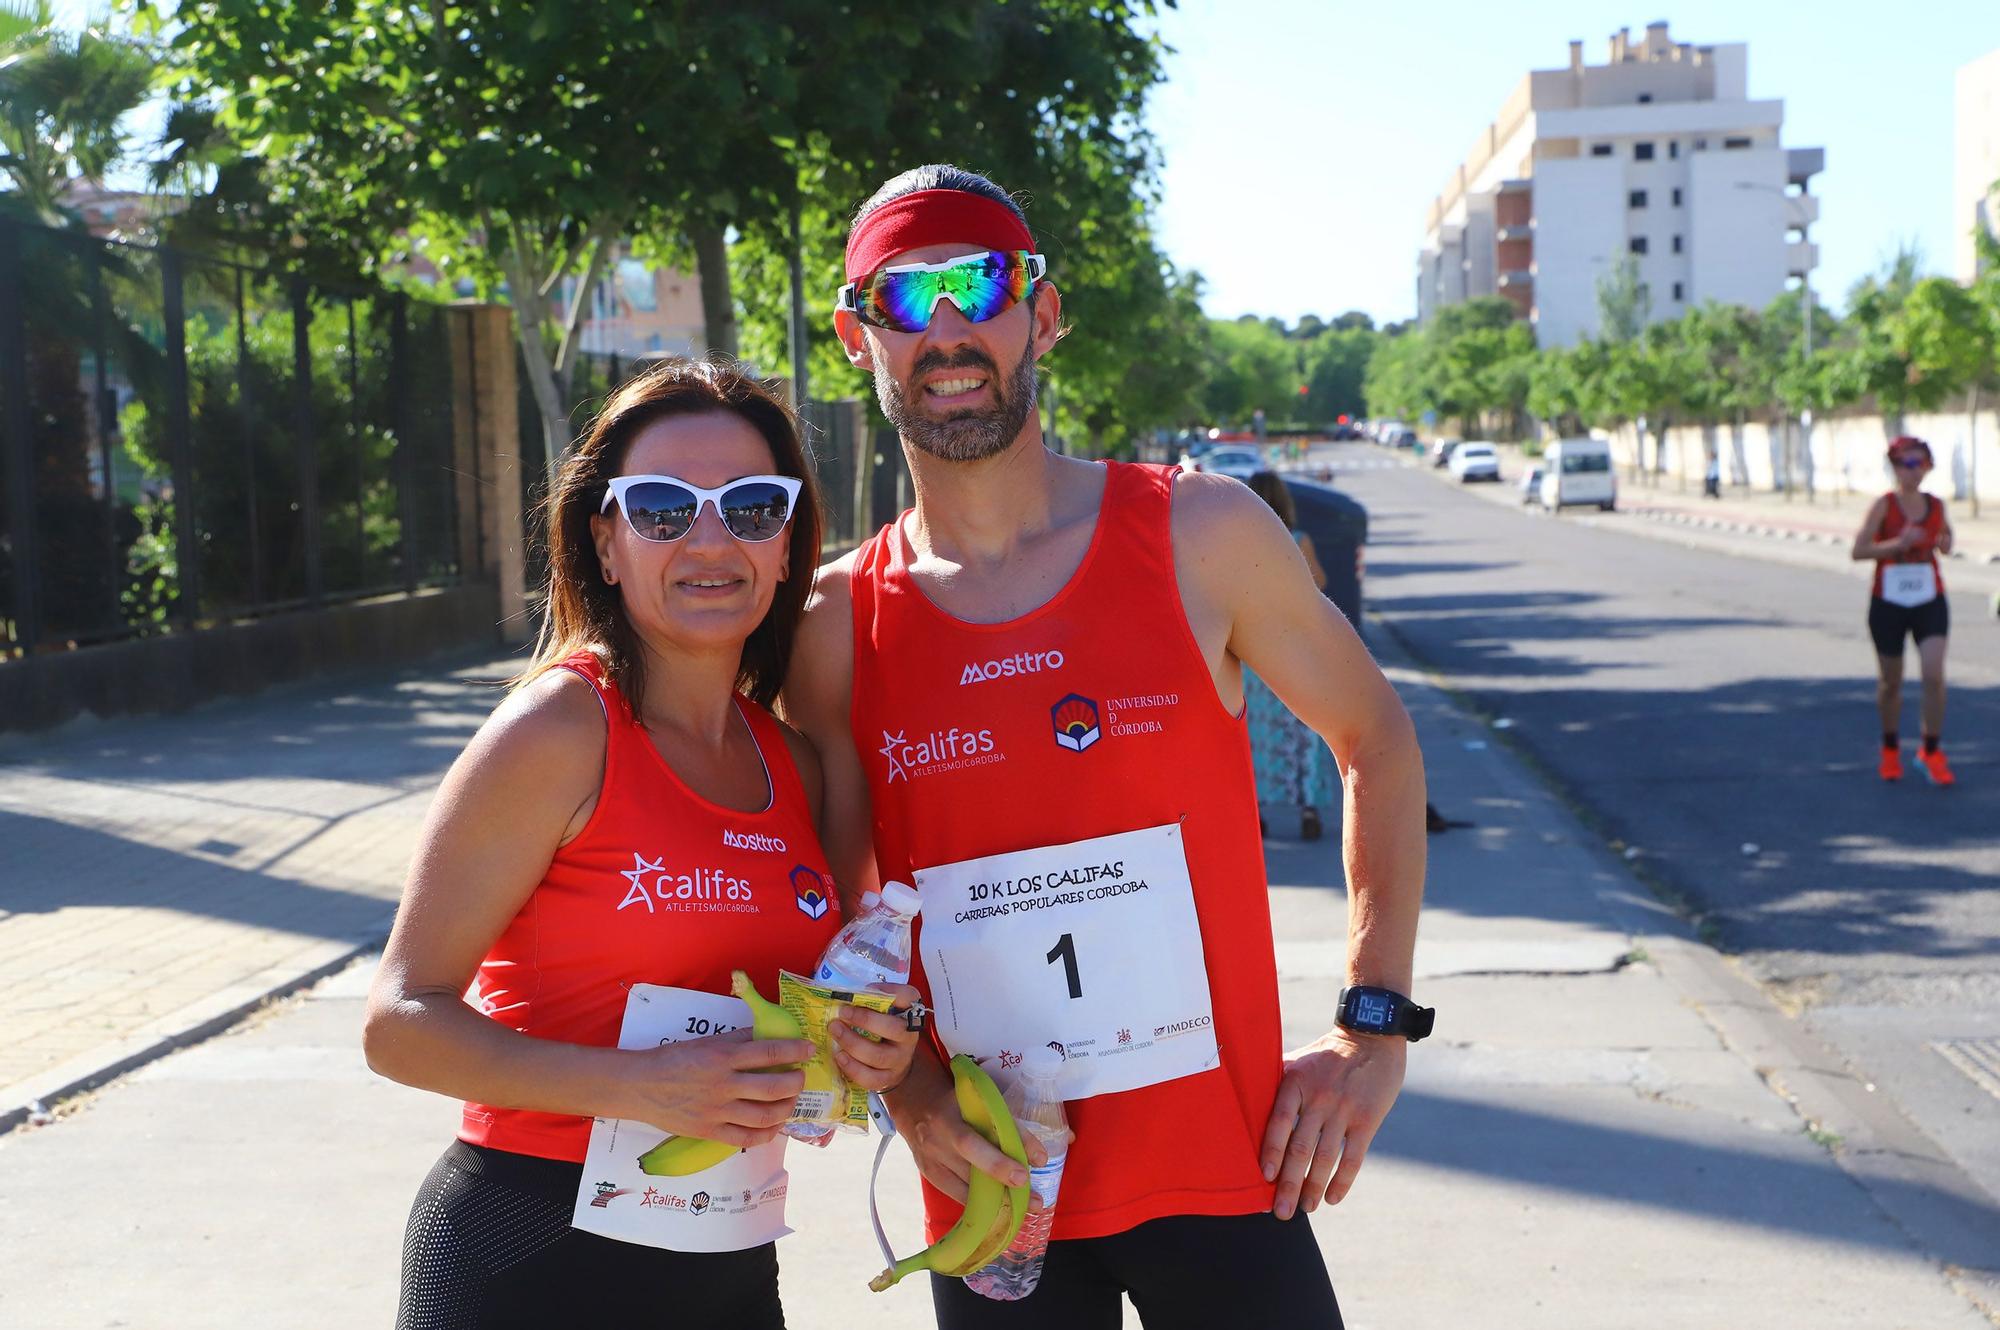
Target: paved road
x: 1713, y: 708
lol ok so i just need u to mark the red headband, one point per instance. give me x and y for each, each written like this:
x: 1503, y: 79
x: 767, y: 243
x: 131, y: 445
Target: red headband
x: 932, y: 217
x: 1908, y: 443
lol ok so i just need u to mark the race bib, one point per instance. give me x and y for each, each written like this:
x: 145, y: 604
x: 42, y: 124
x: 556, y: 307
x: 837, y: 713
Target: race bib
x: 1909, y: 584
x: 738, y: 1203
x: 1092, y: 948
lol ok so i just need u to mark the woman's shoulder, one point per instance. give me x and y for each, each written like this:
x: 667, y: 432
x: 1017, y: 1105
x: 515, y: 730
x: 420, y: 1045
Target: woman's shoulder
x: 555, y: 720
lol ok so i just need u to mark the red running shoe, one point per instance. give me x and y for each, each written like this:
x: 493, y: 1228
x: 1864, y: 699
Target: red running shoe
x: 1892, y: 764
x: 1936, y: 767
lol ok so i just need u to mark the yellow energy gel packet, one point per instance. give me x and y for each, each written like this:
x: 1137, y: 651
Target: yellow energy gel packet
x: 827, y: 1096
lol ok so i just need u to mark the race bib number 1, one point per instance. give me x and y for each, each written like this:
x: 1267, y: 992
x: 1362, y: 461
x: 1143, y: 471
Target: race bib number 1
x: 1093, y: 948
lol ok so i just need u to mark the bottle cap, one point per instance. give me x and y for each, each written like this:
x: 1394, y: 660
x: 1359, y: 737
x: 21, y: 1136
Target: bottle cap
x: 900, y: 898
x: 1042, y: 1061
x: 869, y: 900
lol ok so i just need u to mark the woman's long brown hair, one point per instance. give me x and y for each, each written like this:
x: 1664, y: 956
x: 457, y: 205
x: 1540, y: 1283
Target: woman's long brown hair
x: 582, y: 612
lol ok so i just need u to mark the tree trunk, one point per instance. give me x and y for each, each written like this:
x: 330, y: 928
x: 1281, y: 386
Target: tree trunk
x: 524, y: 281
x: 718, y: 307
x: 1972, y: 449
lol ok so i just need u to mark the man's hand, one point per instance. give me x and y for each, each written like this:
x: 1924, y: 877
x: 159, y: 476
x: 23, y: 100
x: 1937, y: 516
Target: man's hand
x: 1331, y: 1102
x: 946, y: 1149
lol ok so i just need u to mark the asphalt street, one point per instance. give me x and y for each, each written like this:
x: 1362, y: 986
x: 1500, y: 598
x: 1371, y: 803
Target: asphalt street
x: 1709, y: 706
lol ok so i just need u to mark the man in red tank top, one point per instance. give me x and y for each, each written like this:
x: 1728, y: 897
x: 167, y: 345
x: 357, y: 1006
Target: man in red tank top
x: 1028, y: 695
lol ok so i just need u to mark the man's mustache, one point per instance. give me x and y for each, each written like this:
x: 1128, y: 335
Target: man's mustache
x: 965, y: 357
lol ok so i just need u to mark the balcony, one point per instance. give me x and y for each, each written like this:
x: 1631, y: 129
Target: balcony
x: 1517, y: 279
x: 1801, y: 211
x: 1801, y: 257
x: 1523, y: 231
x: 1802, y: 164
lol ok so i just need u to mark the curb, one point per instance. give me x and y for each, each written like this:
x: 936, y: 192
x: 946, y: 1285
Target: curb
x: 41, y: 1094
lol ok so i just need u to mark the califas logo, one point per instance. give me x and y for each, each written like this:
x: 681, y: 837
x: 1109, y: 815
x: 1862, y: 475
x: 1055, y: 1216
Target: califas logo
x: 1007, y: 667
x: 809, y: 892
x: 1075, y: 720
x: 750, y: 840
x: 705, y: 890
x: 940, y: 750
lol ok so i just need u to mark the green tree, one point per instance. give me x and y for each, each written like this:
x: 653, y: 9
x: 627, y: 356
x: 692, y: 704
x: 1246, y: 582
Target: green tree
x: 1947, y: 335
x: 63, y: 99
x: 1624, y: 303
x: 1253, y: 368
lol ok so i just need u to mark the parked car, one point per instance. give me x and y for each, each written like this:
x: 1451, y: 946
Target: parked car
x: 1475, y: 461
x: 1531, y: 484
x: 1578, y: 471
x: 1403, y: 437
x: 1441, y: 452
x: 1242, y: 463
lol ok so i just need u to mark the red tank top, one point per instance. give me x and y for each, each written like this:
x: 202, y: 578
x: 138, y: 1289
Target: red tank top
x: 1894, y: 519
x: 660, y: 887
x: 1116, y: 641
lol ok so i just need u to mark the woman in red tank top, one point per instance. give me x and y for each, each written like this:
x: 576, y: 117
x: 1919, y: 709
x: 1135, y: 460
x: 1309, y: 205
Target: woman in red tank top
x: 629, y: 827
x: 1904, y: 533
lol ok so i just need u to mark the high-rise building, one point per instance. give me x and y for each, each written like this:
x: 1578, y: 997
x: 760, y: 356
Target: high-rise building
x: 1658, y: 155
x: 1975, y: 190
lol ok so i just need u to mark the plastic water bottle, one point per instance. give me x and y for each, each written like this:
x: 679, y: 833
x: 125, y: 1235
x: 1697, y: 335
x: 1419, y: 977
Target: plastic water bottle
x: 874, y: 946
x: 1036, y: 1102
x: 871, y: 948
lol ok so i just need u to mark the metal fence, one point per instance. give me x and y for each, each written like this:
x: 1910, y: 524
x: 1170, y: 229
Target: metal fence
x: 186, y: 440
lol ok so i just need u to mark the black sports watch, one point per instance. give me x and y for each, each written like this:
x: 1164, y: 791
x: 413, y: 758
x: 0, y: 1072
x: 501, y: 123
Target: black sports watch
x: 1366, y: 1009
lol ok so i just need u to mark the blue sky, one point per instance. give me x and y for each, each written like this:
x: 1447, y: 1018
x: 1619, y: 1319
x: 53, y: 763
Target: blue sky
x: 1305, y: 138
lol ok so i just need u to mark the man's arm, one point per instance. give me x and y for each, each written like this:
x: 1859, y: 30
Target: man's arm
x: 816, y: 701
x: 1248, y: 591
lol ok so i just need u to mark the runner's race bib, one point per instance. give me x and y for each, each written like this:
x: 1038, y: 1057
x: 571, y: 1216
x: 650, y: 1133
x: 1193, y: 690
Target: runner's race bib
x: 739, y: 1203
x: 1909, y: 584
x: 1091, y: 948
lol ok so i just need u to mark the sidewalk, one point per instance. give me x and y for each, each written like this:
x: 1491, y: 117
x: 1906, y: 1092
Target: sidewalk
x: 1603, y: 1133
x: 165, y: 874
x: 1826, y: 517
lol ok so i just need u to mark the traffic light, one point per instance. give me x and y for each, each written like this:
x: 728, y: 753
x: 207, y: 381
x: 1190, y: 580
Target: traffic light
x: 1302, y: 390
x: 1343, y: 418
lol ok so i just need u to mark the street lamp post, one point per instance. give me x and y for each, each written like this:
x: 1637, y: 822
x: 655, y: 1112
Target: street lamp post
x: 1805, y: 413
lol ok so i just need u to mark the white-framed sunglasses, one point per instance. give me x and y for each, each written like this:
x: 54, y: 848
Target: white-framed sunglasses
x: 663, y: 509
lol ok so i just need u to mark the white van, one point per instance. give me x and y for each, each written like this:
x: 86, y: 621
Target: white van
x: 1578, y: 471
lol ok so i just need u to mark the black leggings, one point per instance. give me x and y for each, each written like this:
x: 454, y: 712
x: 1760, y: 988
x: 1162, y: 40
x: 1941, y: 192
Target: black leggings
x: 490, y: 1247
x: 1197, y: 1272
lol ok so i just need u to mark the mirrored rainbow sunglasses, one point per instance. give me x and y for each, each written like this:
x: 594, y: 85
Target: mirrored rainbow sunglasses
x: 903, y: 298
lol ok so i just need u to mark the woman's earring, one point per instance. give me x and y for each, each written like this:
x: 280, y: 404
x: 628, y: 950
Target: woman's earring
x: 610, y: 578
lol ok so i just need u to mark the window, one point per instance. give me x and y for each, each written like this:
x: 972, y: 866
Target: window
x: 1637, y: 198
x: 1677, y: 196
x: 1736, y: 143
x: 1673, y: 147
x: 1600, y: 150
x: 1701, y: 145
x: 1677, y: 248
x: 1645, y: 97
x: 1678, y: 296
x: 1637, y: 244
x: 1642, y: 152
x: 1573, y: 463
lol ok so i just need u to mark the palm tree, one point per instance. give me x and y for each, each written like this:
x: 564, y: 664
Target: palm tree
x: 63, y: 99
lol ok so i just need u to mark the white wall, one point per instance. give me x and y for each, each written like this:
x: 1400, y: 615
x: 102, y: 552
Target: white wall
x: 1579, y: 233
x: 1846, y: 453
x: 1736, y: 236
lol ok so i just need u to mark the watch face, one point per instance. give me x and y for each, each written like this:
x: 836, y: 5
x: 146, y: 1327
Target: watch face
x: 1373, y: 1011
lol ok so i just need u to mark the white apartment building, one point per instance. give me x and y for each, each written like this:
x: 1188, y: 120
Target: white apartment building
x: 1976, y: 160
x: 1658, y: 154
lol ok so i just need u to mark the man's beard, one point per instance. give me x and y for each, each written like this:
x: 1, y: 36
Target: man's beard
x: 971, y: 434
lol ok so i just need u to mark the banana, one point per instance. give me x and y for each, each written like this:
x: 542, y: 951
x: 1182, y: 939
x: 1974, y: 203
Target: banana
x: 993, y: 1211
x: 678, y: 1156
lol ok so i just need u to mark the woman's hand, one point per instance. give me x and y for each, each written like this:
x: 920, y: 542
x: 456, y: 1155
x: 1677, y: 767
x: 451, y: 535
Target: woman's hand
x: 717, y: 1087
x: 881, y: 1062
